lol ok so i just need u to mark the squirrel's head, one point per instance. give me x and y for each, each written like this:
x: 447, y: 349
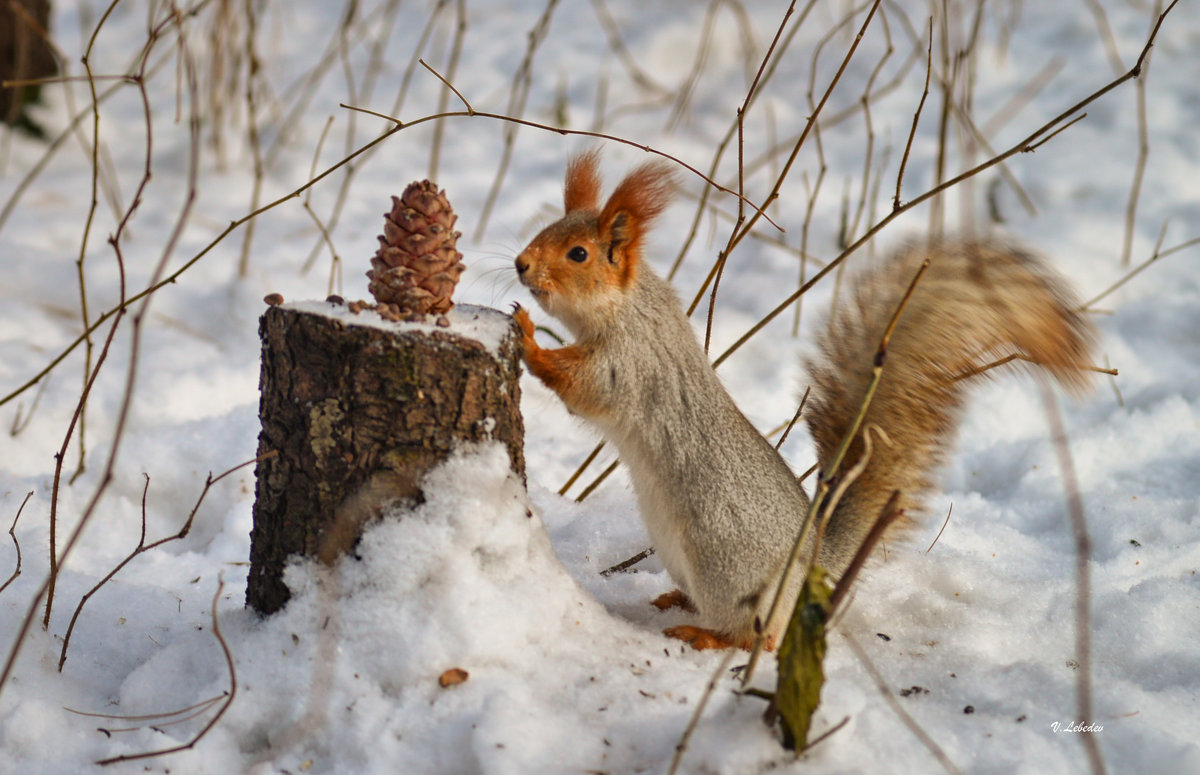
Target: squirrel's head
x: 580, y: 267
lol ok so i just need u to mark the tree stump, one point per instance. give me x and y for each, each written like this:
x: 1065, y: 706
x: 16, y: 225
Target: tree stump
x: 356, y: 409
x: 25, y: 55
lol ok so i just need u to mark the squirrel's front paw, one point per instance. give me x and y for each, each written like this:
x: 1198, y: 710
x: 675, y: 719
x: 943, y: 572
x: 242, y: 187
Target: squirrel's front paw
x: 521, y: 316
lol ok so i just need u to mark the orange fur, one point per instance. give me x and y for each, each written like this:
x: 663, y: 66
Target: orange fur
x: 559, y: 369
x: 673, y: 599
x: 700, y: 639
x: 631, y: 209
x: 582, y: 190
x: 584, y: 294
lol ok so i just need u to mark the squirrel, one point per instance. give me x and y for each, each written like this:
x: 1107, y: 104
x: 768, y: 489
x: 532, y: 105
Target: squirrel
x: 721, y: 506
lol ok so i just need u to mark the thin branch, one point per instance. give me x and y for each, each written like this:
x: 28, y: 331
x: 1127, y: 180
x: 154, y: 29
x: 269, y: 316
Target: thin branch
x: 448, y: 85
x: 142, y: 547
x: 216, y: 628
x: 121, y: 308
x: 1029, y: 144
x: 625, y: 565
x: 400, y: 125
x: 16, y: 544
x: 739, y: 234
x: 887, y: 516
x: 120, y: 424
x: 1140, y: 268
x: 977, y: 370
x: 795, y: 418
x: 912, y: 133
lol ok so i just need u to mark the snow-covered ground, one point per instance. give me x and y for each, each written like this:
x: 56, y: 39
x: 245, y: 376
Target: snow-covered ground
x: 568, y: 672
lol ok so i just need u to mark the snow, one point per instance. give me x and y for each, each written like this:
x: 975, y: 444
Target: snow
x: 567, y: 670
x: 472, y: 321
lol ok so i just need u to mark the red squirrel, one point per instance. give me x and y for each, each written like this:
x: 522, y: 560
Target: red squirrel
x: 722, y: 508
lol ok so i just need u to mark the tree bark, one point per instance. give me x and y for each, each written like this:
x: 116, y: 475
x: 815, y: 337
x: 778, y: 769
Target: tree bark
x: 356, y: 410
x: 25, y: 54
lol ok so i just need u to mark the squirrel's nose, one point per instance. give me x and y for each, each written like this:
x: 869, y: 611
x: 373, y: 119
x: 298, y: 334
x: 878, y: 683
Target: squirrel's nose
x: 522, y: 265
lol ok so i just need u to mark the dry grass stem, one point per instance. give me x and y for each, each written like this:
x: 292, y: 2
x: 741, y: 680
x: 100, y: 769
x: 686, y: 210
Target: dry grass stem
x: 439, y: 128
x: 1139, y: 169
x: 517, y: 97
x: 942, y: 529
x: 710, y: 687
x: 1083, y: 587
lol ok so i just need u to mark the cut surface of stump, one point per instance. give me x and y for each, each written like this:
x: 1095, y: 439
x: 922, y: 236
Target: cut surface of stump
x: 357, y: 410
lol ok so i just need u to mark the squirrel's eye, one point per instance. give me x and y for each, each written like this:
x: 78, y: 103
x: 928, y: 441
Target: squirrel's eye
x: 577, y: 254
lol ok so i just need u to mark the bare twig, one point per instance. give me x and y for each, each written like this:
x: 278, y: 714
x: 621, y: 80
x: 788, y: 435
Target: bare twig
x: 739, y: 234
x: 1157, y: 254
x: 795, y: 418
x: 143, y: 547
x: 155, y: 280
x: 16, y: 544
x: 625, y: 565
x: 977, y: 370
x: 1028, y: 144
x: 887, y: 516
x: 912, y: 133
x: 122, y: 307
x: 229, y: 697
x: 401, y: 125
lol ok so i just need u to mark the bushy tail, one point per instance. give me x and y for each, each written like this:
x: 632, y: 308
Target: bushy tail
x: 976, y: 303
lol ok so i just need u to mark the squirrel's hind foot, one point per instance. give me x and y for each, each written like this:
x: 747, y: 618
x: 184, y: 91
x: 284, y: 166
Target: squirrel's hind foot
x: 673, y: 599
x: 702, y: 639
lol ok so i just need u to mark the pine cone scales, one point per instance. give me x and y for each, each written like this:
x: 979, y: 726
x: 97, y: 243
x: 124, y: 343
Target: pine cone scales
x: 417, y: 264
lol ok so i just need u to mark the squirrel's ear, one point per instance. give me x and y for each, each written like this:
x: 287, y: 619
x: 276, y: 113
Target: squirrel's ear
x: 633, y: 206
x: 582, y: 190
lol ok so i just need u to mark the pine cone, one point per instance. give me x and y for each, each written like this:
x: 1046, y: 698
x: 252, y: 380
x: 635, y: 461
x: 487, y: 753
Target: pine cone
x: 417, y: 265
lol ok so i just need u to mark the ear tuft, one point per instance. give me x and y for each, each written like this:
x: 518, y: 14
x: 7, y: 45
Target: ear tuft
x: 582, y: 190
x: 637, y: 201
